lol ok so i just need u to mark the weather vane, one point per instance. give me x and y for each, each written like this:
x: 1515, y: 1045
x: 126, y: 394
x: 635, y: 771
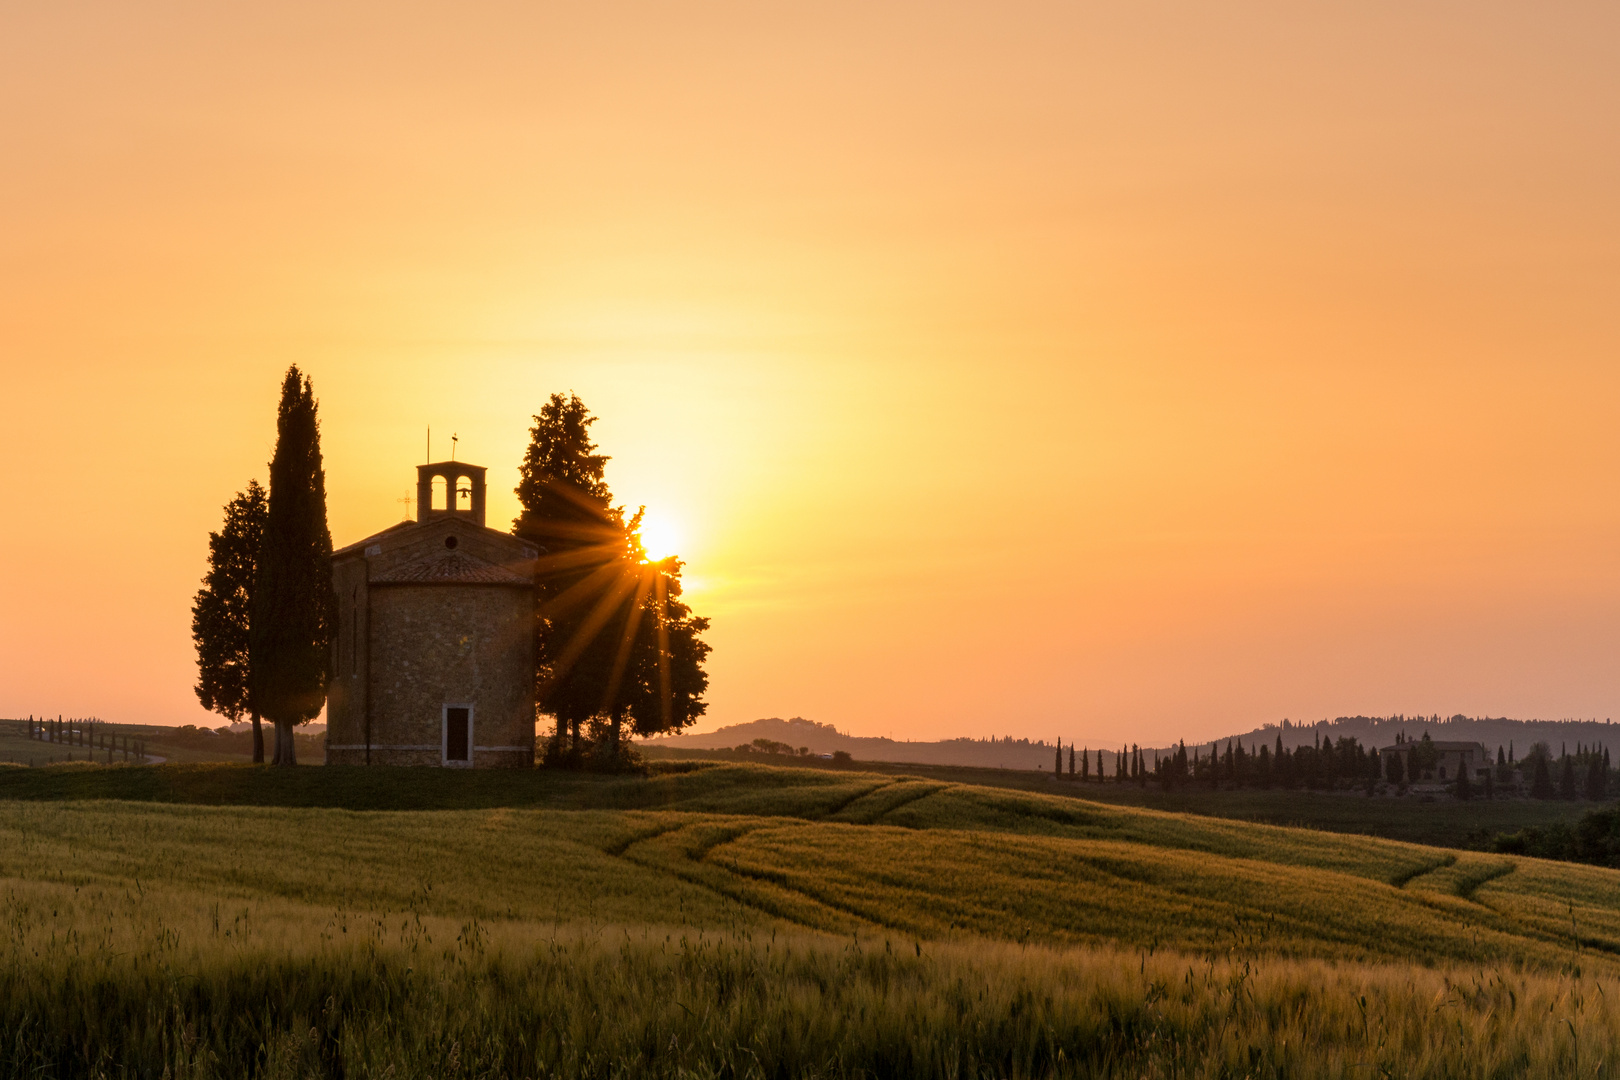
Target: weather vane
x: 453, y: 438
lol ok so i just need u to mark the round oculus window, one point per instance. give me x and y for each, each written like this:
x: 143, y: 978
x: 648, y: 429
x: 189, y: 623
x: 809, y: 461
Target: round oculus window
x: 450, y: 542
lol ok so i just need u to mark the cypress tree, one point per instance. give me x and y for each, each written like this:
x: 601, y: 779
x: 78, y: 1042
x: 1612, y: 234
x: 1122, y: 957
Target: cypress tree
x: 293, y: 601
x: 1566, y: 778
x: 1596, y: 780
x: 1541, y: 779
x: 221, y: 615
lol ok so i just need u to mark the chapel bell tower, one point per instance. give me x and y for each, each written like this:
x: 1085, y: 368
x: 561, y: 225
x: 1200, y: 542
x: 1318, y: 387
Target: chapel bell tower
x: 459, y: 493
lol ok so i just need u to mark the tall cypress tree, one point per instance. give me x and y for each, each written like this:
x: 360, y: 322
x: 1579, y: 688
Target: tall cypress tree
x: 293, y: 604
x: 222, y: 614
x: 1541, y: 779
x: 1596, y: 778
x: 1566, y: 778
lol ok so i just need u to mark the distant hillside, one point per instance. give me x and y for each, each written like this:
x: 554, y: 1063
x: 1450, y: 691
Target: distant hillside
x: 1000, y: 753
x: 1010, y: 753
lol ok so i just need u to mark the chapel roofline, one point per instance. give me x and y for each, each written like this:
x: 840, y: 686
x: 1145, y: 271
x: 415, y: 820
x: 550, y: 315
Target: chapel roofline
x: 405, y: 528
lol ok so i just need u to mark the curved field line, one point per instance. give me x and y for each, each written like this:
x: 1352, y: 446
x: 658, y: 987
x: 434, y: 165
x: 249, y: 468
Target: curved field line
x: 619, y: 847
x: 909, y: 799
x: 838, y: 808
x: 1468, y: 885
x: 1402, y: 878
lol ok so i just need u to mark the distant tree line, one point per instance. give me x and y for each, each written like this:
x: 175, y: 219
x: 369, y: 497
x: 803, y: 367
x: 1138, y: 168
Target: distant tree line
x: 1330, y: 764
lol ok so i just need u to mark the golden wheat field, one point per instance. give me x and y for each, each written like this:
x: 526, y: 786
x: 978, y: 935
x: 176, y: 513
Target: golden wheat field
x: 750, y: 921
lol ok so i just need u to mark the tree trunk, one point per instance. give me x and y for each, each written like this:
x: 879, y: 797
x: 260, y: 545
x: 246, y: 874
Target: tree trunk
x: 258, y: 741
x: 286, y: 749
x: 573, y: 746
x: 618, y: 719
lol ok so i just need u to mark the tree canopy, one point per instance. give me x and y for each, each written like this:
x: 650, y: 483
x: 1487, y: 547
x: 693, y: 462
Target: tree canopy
x: 615, y: 640
x: 221, y: 614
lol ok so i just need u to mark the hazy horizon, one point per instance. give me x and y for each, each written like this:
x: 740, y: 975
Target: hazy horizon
x: 1134, y: 367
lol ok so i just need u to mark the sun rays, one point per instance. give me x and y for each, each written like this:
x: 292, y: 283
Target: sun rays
x: 617, y: 572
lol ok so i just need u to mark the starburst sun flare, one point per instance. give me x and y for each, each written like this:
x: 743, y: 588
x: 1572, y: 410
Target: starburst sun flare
x: 659, y: 536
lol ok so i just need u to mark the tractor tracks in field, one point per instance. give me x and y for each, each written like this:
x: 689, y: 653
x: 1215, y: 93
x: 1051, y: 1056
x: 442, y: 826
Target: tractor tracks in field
x: 687, y: 851
x: 618, y: 847
x: 840, y: 807
x: 1453, y: 875
x: 1402, y: 878
x: 885, y: 799
x: 692, y: 851
x: 1470, y: 880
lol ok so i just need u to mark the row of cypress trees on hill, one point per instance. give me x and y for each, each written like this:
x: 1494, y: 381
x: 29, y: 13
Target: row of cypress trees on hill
x: 1330, y: 763
x: 1326, y: 764
x: 263, y: 618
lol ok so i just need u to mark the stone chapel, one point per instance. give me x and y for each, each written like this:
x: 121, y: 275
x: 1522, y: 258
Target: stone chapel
x: 433, y: 652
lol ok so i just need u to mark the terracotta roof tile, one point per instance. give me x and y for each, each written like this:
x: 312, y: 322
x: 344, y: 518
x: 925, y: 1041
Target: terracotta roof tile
x: 449, y: 569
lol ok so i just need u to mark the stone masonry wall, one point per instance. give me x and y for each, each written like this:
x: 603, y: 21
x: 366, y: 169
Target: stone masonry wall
x: 437, y: 645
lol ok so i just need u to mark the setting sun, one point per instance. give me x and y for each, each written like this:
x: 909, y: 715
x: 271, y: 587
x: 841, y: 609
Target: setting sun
x: 659, y: 537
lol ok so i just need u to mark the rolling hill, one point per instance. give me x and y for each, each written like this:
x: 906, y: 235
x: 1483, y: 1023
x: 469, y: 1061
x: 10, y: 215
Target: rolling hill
x: 1007, y: 752
x: 760, y: 888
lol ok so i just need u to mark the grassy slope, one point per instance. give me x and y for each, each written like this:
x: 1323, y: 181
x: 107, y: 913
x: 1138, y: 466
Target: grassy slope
x: 1443, y: 822
x: 807, y: 849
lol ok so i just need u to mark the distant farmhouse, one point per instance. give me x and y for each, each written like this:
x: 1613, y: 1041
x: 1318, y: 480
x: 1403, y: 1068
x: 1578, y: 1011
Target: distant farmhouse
x: 433, y: 654
x: 1426, y: 762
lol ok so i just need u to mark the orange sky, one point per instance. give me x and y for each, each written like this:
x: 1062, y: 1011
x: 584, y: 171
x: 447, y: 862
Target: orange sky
x: 1135, y: 370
